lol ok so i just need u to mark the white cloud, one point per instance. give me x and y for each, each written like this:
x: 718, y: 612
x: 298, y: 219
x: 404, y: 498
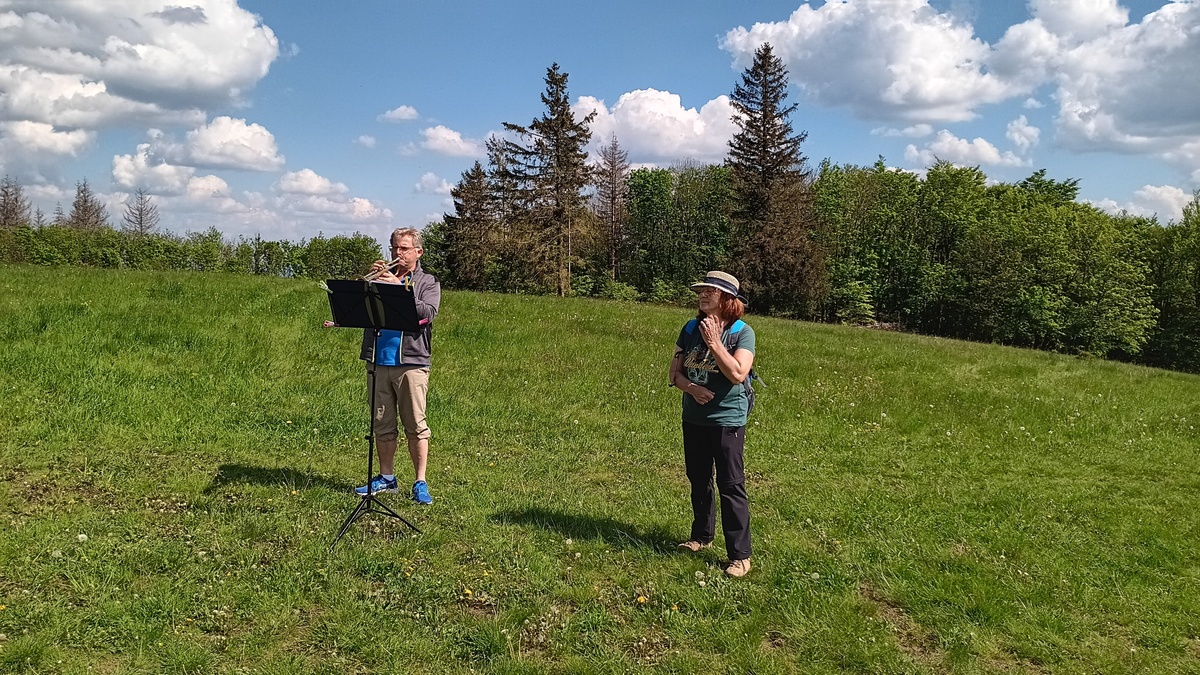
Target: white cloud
x: 72, y: 65
x: 224, y: 143
x: 890, y: 59
x: 233, y: 144
x: 653, y: 125
x: 914, y: 131
x: 1022, y: 135
x: 948, y: 147
x: 446, y: 141
x: 1079, y: 20
x: 433, y: 184
x: 1164, y: 201
x: 1032, y: 104
x: 308, y: 182
x: 365, y: 141
x: 1119, y: 86
x: 140, y: 170
x: 400, y: 114
x: 37, y: 137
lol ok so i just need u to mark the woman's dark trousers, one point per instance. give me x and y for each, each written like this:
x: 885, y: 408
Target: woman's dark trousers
x: 722, y: 447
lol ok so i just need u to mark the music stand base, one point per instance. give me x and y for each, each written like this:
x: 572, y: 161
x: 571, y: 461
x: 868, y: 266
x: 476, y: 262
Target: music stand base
x: 369, y: 504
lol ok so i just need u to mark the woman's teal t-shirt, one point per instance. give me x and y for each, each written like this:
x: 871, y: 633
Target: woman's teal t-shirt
x: 728, y: 407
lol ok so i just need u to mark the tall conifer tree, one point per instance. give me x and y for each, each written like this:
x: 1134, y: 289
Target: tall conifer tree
x: 548, y: 162
x: 609, y: 204
x: 773, y: 249
x: 87, y: 213
x: 141, y: 215
x: 467, y: 233
x: 14, y: 207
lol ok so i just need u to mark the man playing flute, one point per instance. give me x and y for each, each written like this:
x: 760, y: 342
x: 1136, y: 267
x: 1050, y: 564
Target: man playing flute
x: 402, y: 369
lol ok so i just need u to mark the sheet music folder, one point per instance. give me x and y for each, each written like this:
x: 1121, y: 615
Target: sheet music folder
x: 368, y: 304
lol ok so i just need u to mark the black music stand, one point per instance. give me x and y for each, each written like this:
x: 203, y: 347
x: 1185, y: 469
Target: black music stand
x: 374, y: 307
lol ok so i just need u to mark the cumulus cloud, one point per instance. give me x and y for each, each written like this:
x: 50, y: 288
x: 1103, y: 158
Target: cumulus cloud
x: 224, y: 143
x: 1136, y: 87
x: 914, y: 131
x: 309, y: 182
x: 365, y: 141
x: 1022, y: 134
x: 1119, y: 86
x: 948, y: 147
x: 233, y: 144
x: 157, y: 64
x: 141, y: 170
x: 400, y: 114
x: 896, y: 59
x: 431, y: 183
x: 446, y: 141
x: 1164, y: 201
x: 37, y: 137
x: 653, y: 125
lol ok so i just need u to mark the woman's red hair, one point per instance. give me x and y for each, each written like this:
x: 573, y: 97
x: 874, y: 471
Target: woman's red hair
x: 731, y: 309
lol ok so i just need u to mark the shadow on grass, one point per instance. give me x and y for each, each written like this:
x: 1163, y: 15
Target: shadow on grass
x: 575, y: 526
x: 283, y: 477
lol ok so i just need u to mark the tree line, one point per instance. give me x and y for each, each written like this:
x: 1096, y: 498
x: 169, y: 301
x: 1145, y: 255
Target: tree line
x: 944, y: 253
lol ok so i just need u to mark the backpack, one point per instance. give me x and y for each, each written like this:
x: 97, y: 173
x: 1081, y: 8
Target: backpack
x: 731, y: 344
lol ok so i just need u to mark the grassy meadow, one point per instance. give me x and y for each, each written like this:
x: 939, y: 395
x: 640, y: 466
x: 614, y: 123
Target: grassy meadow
x: 177, y: 451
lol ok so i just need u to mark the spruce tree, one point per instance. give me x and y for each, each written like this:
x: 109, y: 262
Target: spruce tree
x: 87, y: 213
x: 467, y: 233
x: 141, y: 215
x: 548, y: 163
x: 609, y: 200
x: 774, y: 251
x: 14, y: 207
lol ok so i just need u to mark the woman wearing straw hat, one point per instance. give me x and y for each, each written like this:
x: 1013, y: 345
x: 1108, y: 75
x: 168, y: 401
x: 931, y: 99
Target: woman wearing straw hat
x: 713, y: 356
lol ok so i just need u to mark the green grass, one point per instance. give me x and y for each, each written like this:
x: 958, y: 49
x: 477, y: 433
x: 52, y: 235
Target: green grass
x: 918, y: 504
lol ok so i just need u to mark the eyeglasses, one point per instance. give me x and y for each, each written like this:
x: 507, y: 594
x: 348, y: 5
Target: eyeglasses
x: 404, y: 249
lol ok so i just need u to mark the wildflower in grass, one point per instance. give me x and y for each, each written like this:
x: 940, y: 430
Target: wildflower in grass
x: 56, y: 553
x: 641, y: 599
x: 674, y: 607
x: 82, y: 537
x: 468, y: 592
x: 3, y: 607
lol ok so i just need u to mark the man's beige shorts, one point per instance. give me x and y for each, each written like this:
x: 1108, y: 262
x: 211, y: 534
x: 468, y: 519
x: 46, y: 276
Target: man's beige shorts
x: 400, y: 388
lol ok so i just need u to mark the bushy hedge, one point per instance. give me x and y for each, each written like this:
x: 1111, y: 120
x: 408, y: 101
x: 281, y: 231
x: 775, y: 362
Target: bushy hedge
x: 339, y: 257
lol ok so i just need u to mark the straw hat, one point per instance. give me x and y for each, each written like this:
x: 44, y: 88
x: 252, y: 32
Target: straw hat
x: 722, y: 282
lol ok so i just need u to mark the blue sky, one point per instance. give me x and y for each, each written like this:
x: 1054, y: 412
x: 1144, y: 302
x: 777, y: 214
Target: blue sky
x: 288, y: 119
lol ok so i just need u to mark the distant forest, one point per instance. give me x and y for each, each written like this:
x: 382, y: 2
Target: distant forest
x: 944, y: 254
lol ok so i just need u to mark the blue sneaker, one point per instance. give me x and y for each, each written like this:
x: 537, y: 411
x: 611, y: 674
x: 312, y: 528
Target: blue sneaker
x: 420, y: 493
x: 378, y: 484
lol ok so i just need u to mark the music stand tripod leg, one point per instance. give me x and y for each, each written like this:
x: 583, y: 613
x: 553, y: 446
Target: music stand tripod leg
x: 369, y: 499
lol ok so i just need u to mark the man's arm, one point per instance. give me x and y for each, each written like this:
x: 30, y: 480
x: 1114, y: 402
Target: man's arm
x: 428, y: 297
